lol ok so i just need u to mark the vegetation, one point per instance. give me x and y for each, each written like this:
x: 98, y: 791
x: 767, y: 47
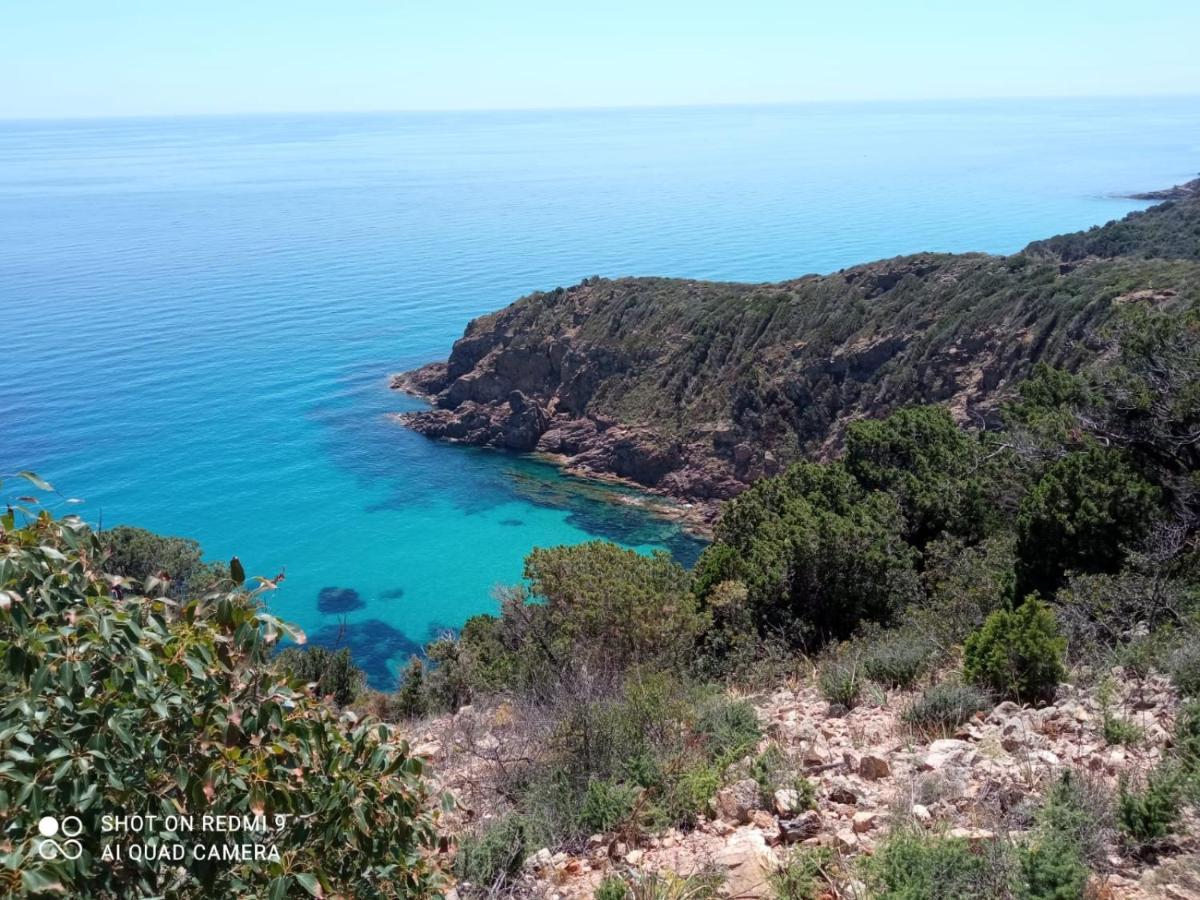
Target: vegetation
x: 945, y: 706
x: 913, y: 865
x: 1017, y: 653
x: 117, y: 699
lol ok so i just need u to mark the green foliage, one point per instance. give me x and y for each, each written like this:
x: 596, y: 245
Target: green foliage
x: 669, y: 886
x: 332, y: 673
x: 923, y: 459
x: 912, y: 865
x: 804, y: 874
x: 1184, y: 665
x: 817, y: 554
x: 964, y: 585
x: 1051, y: 869
x: 1017, y: 653
x: 944, y: 706
x: 840, y: 680
x: 117, y: 705
x: 487, y: 860
x: 897, y: 659
x: 150, y: 560
x: 598, y: 603
x: 1119, y: 730
x: 1082, y: 514
x: 1077, y: 816
x: 1149, y: 812
x: 606, y: 805
x: 612, y: 888
x: 728, y: 727
x: 411, y: 698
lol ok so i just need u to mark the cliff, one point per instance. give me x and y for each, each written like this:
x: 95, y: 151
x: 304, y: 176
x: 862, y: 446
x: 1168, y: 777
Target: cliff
x: 695, y: 389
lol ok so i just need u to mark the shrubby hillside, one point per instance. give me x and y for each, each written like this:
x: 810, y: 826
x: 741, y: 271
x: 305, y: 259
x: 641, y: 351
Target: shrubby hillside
x: 696, y: 389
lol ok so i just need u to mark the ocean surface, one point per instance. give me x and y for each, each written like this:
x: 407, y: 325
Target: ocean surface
x: 199, y: 316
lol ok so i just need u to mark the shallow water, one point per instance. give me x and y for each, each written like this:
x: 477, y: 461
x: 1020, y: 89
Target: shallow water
x: 201, y: 314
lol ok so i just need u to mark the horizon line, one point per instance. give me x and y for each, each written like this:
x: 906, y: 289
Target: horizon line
x: 630, y: 107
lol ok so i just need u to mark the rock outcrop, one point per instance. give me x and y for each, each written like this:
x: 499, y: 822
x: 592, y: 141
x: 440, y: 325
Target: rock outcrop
x: 695, y: 389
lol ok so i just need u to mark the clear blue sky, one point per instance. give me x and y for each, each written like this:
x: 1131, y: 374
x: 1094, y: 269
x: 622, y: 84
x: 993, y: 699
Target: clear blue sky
x: 133, y: 57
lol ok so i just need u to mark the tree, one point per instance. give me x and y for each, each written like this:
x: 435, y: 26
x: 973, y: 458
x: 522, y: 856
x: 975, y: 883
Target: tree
x: 816, y: 553
x: 1081, y: 516
x: 928, y: 464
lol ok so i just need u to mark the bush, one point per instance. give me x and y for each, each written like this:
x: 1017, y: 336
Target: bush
x: 1148, y: 813
x: 487, y: 860
x: 728, y: 727
x: 773, y: 771
x: 804, y: 874
x: 139, y: 701
x: 817, y: 554
x: 1051, y: 869
x: 1119, y: 730
x: 1184, y: 665
x: 1080, y: 516
x: 669, y: 886
x: 840, y: 682
x: 913, y: 865
x: 332, y: 673
x: 606, y: 805
x: 945, y: 706
x: 612, y: 888
x: 411, y: 699
x: 1017, y: 654
x: 897, y: 660
x: 1078, y: 810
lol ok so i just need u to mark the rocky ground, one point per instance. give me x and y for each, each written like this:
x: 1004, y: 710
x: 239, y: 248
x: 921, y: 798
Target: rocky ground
x: 870, y: 772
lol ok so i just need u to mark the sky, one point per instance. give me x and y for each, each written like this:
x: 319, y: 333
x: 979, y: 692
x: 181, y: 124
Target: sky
x: 75, y: 58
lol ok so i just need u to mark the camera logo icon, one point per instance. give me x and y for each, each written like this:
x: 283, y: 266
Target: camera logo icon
x: 70, y: 827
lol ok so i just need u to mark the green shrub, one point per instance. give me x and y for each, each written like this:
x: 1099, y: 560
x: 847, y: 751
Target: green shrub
x: 1017, y: 653
x: 669, y: 886
x: 132, y: 703
x: 1080, y: 516
x: 684, y: 797
x: 817, y: 554
x: 804, y: 874
x: 897, y: 660
x: 606, y: 805
x: 332, y: 672
x: 840, y: 681
x: 1078, y: 809
x: 487, y: 860
x: 728, y: 727
x: 1148, y: 813
x: 1051, y: 869
x: 913, y: 865
x: 1119, y: 730
x: 772, y: 770
x: 1187, y: 737
x: 612, y: 888
x: 945, y: 706
x: 1184, y: 665
x: 411, y: 699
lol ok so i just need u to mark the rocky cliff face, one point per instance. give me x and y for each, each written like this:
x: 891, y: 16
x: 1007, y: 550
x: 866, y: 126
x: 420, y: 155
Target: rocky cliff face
x: 695, y: 389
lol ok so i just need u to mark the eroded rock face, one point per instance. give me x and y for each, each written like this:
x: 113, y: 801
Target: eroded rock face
x: 696, y: 389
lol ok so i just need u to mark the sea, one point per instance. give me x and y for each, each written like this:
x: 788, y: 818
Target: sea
x: 199, y: 316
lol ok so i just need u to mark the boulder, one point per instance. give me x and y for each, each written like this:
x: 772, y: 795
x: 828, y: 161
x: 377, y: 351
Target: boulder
x: 874, y: 767
x: 804, y: 826
x: 736, y: 802
x: 749, y: 865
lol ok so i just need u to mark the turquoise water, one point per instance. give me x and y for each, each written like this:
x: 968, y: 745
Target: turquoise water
x: 199, y: 315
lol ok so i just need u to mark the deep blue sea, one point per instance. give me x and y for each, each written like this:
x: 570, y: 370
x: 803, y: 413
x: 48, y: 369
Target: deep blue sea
x: 199, y: 316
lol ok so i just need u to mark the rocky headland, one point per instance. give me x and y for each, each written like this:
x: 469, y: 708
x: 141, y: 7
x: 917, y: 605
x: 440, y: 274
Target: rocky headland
x: 694, y: 389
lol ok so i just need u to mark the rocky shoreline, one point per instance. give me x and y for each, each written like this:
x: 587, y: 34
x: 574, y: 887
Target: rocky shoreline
x: 1185, y: 191
x: 693, y: 390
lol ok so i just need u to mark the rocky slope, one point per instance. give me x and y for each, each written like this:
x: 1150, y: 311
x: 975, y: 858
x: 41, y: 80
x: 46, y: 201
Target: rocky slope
x: 871, y: 772
x: 695, y: 389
